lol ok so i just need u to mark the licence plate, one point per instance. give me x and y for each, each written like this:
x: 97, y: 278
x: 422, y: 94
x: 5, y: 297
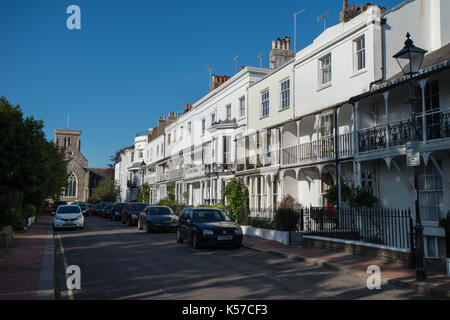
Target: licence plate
x: 224, y: 237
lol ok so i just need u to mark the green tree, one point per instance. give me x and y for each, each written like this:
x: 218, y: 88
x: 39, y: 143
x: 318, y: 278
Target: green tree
x: 237, y: 197
x: 146, y: 192
x: 29, y: 163
x: 105, y: 191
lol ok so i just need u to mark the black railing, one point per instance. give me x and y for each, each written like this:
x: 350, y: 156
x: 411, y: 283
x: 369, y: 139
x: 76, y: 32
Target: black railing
x: 398, y: 133
x: 389, y: 227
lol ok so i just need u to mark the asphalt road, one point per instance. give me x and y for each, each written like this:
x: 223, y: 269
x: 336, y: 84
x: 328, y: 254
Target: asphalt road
x: 121, y: 262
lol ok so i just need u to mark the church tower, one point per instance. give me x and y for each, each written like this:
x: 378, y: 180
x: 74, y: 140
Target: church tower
x: 77, y: 165
x: 65, y: 138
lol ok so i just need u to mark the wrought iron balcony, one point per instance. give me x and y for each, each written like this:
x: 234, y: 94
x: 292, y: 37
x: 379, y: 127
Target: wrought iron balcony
x: 398, y: 133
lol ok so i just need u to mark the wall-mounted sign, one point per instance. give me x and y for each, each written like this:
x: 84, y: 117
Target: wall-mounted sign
x: 412, y: 154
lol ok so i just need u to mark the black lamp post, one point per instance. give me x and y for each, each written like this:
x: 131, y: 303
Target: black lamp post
x: 414, y: 56
x: 143, y: 171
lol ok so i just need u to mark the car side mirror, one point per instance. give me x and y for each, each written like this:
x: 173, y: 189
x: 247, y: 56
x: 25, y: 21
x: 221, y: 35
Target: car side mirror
x: 189, y: 221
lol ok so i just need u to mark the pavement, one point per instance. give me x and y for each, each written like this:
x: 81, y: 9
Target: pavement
x: 393, y: 273
x: 26, y: 268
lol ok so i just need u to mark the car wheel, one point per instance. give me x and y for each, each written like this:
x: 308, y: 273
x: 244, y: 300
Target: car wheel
x: 195, y: 241
x: 237, y: 245
x: 123, y: 220
x: 129, y: 222
x: 179, y: 237
x: 149, y: 229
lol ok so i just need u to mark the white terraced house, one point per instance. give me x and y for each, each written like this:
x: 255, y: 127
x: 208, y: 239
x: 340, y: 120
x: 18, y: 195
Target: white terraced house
x: 200, y: 146
x: 335, y: 112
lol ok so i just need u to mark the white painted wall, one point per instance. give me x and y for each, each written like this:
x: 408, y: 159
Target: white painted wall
x: 427, y: 22
x: 271, y: 82
x: 338, y: 40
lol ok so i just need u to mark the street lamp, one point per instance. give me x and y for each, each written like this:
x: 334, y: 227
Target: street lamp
x: 414, y: 58
x: 143, y: 171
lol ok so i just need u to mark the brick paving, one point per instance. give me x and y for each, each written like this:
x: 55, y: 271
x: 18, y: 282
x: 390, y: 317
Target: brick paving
x: 20, y: 265
x: 392, y: 272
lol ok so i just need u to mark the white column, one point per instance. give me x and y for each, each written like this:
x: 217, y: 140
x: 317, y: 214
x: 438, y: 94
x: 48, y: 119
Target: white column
x: 355, y: 127
x: 281, y: 144
x: 337, y: 144
x: 318, y: 135
x: 386, y: 111
x: 201, y: 192
x: 422, y: 84
x: 219, y: 155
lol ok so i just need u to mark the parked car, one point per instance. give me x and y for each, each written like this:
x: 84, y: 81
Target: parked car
x: 95, y: 209
x: 89, y: 208
x: 208, y: 226
x: 117, y: 211
x: 56, y: 204
x: 107, y: 210
x: 68, y: 216
x: 84, y: 208
x: 101, y: 208
x: 131, y: 212
x: 155, y: 218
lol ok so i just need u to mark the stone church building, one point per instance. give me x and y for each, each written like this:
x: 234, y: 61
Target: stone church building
x: 81, y: 179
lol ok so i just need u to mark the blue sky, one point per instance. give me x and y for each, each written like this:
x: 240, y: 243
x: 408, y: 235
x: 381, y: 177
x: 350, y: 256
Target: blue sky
x: 135, y: 60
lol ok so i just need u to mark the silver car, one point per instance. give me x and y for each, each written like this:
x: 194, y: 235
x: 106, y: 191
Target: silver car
x: 68, y: 216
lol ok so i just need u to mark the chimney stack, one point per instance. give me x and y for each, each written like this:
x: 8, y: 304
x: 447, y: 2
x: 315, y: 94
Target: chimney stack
x: 218, y: 80
x: 348, y: 14
x: 281, y: 52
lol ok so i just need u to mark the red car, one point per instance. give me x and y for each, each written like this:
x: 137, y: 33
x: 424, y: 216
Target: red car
x: 131, y: 212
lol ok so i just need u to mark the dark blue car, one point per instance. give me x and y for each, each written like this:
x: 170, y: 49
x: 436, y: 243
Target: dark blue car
x: 155, y: 218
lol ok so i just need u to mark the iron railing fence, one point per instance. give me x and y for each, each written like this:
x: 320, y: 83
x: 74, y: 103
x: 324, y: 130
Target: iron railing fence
x: 389, y: 227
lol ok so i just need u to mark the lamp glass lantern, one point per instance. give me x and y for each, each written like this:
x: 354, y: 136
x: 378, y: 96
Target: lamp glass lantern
x: 412, y: 55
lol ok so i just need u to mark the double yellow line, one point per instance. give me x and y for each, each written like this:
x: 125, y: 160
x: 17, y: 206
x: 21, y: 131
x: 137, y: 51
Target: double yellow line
x: 69, y: 291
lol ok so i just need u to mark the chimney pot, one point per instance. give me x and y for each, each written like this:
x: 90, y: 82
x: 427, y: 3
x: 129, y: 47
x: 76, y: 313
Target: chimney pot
x: 242, y: 67
x: 278, y: 43
x: 288, y: 43
x: 345, y: 5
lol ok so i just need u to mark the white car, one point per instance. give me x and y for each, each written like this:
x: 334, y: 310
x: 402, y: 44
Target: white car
x: 68, y: 216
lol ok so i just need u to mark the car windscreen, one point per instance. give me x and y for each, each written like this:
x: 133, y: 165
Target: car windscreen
x: 209, y: 216
x: 68, y: 210
x: 108, y: 206
x: 159, y: 211
x: 118, y: 207
x: 137, y: 207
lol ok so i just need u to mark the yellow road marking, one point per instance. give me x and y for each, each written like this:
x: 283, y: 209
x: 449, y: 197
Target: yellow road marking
x: 69, y: 291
